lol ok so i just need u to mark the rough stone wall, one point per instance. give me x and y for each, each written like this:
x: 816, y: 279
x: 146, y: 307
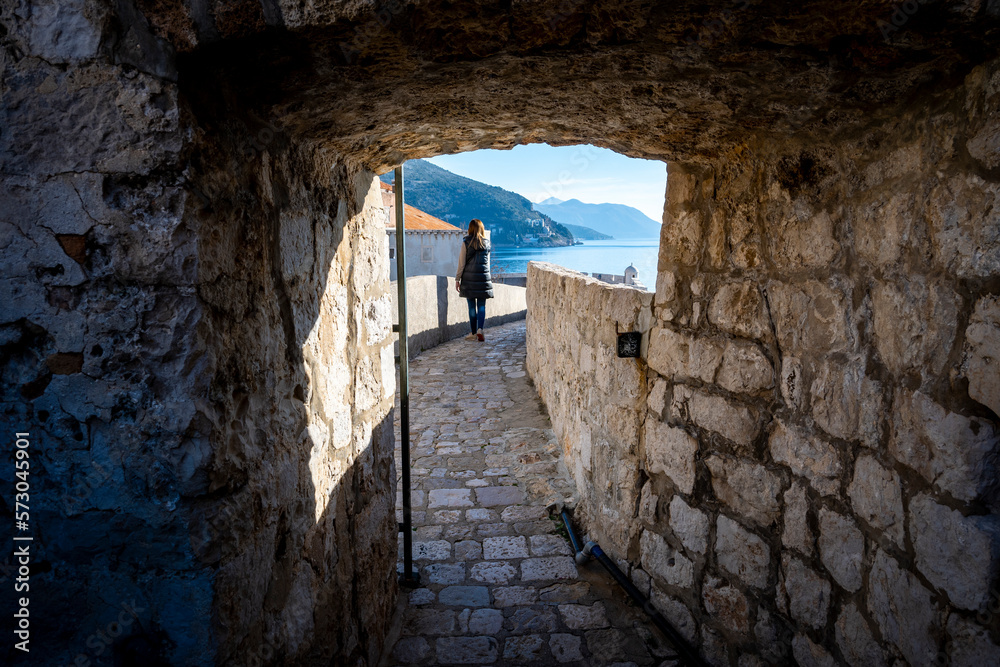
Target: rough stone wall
x: 196, y: 333
x: 597, y: 402
x: 814, y: 476
x: 293, y: 268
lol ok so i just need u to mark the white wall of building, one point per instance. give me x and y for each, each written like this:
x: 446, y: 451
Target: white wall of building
x: 428, y: 252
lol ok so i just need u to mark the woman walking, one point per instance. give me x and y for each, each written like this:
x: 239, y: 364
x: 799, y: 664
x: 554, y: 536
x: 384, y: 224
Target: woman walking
x: 473, y: 280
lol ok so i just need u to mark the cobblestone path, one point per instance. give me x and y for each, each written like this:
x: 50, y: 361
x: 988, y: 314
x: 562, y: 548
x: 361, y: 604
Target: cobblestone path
x: 499, y: 585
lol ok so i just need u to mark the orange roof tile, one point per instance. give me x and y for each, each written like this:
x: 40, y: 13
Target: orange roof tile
x: 415, y: 218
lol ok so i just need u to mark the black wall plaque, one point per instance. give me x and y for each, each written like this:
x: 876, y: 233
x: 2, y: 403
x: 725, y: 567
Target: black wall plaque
x: 628, y: 344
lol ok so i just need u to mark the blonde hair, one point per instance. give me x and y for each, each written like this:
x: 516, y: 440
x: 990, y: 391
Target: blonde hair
x: 477, y: 232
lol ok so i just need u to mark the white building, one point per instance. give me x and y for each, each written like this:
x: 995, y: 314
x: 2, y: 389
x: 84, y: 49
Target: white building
x: 432, y: 245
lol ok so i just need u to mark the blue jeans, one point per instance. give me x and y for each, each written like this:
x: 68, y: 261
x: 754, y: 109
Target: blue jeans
x: 477, y: 313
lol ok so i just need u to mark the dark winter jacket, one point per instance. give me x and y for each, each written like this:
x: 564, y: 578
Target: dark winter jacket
x: 474, y: 271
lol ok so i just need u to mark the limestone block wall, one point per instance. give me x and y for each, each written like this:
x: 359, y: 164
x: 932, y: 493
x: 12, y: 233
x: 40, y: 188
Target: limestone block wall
x: 195, y: 331
x: 803, y: 466
x: 597, y: 402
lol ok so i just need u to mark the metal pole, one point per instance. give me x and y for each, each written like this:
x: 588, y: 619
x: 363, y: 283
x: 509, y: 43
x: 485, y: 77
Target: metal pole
x: 408, y: 578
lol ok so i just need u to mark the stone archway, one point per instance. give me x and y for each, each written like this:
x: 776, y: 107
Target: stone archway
x: 197, y: 333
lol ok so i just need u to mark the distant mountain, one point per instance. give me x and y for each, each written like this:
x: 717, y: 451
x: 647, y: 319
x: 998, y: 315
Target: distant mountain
x: 552, y: 200
x: 617, y: 220
x: 457, y: 199
x: 586, y: 233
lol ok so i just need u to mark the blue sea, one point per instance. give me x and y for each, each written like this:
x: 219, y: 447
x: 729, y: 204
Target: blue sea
x: 592, y: 257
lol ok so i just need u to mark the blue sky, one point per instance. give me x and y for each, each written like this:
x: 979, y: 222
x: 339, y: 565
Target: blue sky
x: 590, y: 174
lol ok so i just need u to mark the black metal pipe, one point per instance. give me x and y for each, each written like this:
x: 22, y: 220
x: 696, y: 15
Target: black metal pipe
x: 408, y: 578
x: 572, y: 534
x: 687, y: 654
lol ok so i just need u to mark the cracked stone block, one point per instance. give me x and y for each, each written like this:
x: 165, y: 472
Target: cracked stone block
x: 450, y: 498
x: 543, y: 569
x: 445, y: 573
x: 493, y: 573
x: 807, y: 456
x: 466, y: 650
x: 730, y: 419
x: 659, y: 559
x: 504, y: 548
x: 903, y: 609
x: 459, y: 532
x: 956, y: 553
x: 877, y: 497
x: 492, y: 496
x: 411, y: 650
x: 468, y: 550
x: 465, y: 596
x: 514, y: 596
x: 565, y: 648
x: 531, y: 620
x: 486, y: 622
x: 808, y: 594
x: 583, y: 617
x: 527, y: 648
x: 741, y: 553
x: 841, y: 548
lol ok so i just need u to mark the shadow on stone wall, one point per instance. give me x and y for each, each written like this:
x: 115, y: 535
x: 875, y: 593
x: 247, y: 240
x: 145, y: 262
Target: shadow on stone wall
x: 208, y: 381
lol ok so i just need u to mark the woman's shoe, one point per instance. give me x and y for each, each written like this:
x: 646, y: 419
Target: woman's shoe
x: 479, y: 335
x: 471, y: 336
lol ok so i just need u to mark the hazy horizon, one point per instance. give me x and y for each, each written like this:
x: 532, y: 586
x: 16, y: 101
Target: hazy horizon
x: 590, y: 174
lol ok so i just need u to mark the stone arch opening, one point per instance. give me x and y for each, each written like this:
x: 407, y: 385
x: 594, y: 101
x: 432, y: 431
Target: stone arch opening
x: 189, y: 189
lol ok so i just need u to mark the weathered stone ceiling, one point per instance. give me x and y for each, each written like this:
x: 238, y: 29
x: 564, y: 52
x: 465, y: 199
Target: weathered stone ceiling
x: 393, y: 80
